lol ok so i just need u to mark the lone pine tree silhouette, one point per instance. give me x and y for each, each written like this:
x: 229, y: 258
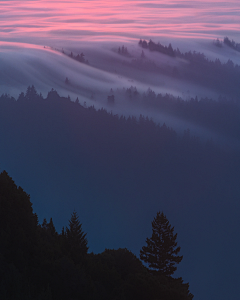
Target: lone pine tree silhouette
x: 161, y: 251
x: 76, y: 239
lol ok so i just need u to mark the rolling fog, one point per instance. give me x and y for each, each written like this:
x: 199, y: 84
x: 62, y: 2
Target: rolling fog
x: 67, y: 183
x: 34, y: 35
x: 110, y: 73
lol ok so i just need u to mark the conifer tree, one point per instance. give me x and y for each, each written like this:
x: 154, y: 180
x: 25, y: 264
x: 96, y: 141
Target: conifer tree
x: 161, y: 251
x: 76, y: 238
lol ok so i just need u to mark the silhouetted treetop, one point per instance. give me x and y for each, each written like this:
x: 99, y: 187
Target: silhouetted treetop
x: 161, y: 251
x: 76, y: 241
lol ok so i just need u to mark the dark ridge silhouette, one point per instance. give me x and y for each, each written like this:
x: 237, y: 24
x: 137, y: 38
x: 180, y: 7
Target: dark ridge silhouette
x: 39, y: 263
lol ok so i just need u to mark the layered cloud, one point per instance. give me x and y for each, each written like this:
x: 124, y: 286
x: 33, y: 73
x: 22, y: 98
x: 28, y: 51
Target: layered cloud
x: 74, y: 20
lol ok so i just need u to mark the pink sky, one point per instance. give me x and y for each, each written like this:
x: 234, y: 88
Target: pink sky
x: 71, y: 20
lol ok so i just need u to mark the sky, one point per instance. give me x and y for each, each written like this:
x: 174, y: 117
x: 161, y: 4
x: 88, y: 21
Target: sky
x: 27, y: 26
x: 105, y: 20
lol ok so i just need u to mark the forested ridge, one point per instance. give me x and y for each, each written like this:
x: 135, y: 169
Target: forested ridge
x: 222, y: 115
x: 113, y: 157
x: 111, y: 149
x: 38, y: 263
x: 222, y: 77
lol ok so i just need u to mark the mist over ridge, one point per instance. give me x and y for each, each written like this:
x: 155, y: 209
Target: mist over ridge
x: 118, y: 129
x: 108, y: 71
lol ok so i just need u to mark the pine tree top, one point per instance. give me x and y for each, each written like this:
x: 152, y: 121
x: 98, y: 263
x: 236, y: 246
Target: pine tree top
x: 75, y: 236
x: 161, y: 250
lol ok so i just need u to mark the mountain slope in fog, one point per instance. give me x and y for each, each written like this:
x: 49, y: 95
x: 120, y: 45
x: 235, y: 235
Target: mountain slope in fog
x: 115, y: 70
x: 25, y: 64
x: 117, y: 172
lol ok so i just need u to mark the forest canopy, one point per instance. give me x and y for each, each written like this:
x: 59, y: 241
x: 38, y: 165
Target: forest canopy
x: 39, y: 263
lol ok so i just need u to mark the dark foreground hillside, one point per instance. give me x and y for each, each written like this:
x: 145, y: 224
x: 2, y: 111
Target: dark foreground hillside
x: 38, y: 263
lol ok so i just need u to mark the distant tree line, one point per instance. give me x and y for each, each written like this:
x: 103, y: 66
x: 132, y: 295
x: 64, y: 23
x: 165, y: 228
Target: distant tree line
x: 157, y: 47
x: 123, y: 51
x: 38, y: 263
x: 125, y: 141
x: 79, y: 57
x: 220, y: 115
x: 194, y: 56
x: 232, y: 44
x: 222, y: 77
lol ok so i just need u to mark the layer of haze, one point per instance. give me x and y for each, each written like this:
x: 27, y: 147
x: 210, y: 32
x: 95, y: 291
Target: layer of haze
x: 73, y: 20
x: 108, y: 73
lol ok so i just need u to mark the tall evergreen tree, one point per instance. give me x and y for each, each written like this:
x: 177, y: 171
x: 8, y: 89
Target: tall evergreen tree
x: 76, y: 239
x: 161, y: 251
